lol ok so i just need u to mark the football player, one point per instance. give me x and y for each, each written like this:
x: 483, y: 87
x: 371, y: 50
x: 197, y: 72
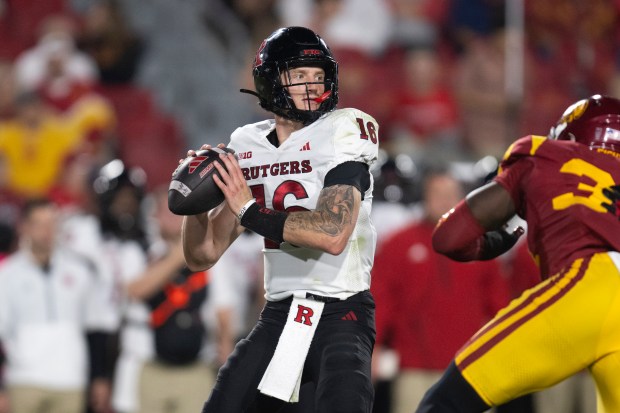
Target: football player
x: 570, y: 321
x: 302, y: 181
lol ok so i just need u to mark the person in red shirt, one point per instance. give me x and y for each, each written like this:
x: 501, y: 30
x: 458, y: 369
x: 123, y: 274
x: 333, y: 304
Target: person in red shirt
x: 569, y: 321
x: 425, y: 119
x: 451, y: 300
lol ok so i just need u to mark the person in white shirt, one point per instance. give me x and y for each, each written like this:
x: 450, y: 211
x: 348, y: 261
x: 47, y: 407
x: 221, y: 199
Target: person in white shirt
x: 44, y: 318
x: 302, y: 181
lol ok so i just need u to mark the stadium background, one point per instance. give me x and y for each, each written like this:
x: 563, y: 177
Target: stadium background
x: 450, y: 81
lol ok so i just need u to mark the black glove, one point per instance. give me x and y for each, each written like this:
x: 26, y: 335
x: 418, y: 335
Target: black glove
x: 498, y: 242
x: 613, y: 193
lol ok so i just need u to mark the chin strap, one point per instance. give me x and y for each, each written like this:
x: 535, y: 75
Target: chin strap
x: 249, y: 92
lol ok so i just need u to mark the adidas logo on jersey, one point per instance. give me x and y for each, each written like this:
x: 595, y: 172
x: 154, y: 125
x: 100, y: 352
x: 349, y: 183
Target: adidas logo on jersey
x: 306, y: 147
x: 349, y: 316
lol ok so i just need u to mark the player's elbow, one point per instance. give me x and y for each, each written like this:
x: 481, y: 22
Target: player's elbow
x: 335, y: 245
x: 198, y: 262
x: 199, y: 266
x: 196, y: 266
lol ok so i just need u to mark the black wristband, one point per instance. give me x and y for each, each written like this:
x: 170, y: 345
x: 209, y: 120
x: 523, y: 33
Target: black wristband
x: 495, y: 243
x: 265, y: 222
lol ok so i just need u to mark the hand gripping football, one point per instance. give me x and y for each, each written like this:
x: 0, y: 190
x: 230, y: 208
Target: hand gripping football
x: 192, y: 189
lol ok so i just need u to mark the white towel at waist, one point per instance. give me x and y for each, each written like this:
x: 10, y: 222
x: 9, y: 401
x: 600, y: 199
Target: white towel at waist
x: 282, y: 378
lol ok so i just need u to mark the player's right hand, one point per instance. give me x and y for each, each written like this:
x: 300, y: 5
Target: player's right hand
x: 613, y: 194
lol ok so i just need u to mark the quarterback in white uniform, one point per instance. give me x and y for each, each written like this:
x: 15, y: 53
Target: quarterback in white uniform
x: 301, y: 181
x: 290, y: 178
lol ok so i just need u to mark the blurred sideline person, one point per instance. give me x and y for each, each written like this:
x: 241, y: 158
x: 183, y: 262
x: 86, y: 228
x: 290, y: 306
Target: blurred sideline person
x: 111, y: 233
x: 568, y: 322
x: 424, y: 118
x: 39, y: 136
x: 450, y: 300
x: 236, y: 292
x: 44, y: 316
x: 54, y: 63
x: 312, y: 203
x: 164, y: 333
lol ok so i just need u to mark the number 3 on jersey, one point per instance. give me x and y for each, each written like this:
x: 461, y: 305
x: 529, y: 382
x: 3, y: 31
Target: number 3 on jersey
x: 601, y: 178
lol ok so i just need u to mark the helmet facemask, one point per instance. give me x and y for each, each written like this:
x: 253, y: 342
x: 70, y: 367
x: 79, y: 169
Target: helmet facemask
x: 285, y: 50
x: 285, y: 105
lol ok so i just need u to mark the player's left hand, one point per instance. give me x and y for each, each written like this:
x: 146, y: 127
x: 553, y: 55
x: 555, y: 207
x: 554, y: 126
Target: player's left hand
x: 613, y: 194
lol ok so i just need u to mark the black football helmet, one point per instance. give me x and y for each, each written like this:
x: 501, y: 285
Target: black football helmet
x: 124, y: 220
x: 285, y: 49
x: 594, y: 122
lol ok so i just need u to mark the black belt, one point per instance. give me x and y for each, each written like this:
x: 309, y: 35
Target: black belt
x: 322, y: 298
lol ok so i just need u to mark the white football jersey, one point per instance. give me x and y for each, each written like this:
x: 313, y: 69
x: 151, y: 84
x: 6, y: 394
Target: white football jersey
x: 290, y: 178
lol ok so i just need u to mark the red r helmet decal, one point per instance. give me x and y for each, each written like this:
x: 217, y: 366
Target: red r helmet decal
x: 258, y: 60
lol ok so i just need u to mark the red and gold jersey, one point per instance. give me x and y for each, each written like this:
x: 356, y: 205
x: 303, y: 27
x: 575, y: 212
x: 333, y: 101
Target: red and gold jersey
x: 557, y: 187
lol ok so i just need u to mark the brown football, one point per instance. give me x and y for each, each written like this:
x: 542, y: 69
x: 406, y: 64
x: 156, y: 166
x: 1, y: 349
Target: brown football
x: 192, y: 189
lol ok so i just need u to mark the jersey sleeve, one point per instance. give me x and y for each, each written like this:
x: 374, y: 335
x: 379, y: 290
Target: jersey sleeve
x: 236, y: 139
x: 516, y: 165
x: 521, y: 148
x: 356, y: 137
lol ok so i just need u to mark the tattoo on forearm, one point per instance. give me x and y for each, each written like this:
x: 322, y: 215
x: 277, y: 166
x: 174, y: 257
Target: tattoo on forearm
x: 334, y: 210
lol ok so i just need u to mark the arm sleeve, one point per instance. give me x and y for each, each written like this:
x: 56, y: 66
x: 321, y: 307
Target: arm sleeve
x: 458, y: 234
x: 349, y: 173
x: 461, y: 237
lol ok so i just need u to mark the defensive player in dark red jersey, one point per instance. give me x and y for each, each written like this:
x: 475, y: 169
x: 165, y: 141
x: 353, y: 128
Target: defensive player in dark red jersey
x: 565, y: 187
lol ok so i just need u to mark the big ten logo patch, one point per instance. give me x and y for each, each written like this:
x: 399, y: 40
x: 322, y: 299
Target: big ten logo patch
x: 304, y: 315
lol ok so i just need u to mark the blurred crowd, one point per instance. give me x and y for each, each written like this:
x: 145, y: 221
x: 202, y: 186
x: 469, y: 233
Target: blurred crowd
x: 86, y: 151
